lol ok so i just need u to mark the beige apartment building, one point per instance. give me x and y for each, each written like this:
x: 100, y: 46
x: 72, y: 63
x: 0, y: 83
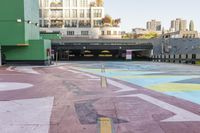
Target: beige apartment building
x: 74, y: 18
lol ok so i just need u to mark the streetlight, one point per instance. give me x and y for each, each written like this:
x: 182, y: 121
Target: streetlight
x: 19, y: 20
x: 27, y: 21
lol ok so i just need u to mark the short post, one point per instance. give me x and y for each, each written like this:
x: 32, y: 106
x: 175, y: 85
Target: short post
x: 104, y: 83
x: 56, y: 58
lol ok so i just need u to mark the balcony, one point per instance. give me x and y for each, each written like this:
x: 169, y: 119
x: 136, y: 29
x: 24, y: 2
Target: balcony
x: 56, y: 4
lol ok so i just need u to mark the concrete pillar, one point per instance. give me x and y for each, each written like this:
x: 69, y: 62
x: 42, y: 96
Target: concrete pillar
x: 0, y: 56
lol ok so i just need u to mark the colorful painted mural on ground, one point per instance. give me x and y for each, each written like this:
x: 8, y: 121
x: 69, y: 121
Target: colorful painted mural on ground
x: 181, y: 81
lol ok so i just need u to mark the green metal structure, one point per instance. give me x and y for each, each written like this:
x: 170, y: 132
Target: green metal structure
x: 19, y: 33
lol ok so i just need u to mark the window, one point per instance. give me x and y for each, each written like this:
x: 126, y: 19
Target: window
x: 102, y: 32
x: 74, y: 3
x: 70, y: 33
x: 97, y: 23
x: 193, y: 56
x: 46, y: 23
x: 67, y: 23
x: 67, y: 3
x: 108, y: 32
x: 56, y: 13
x: 45, y: 13
x: 81, y: 23
x: 74, y: 23
x: 97, y: 13
x: 67, y: 13
x: 115, y: 33
x: 40, y: 11
x: 82, y: 13
x: 84, y: 32
x: 40, y: 23
x: 46, y: 3
x: 74, y: 13
x: 57, y: 23
x: 40, y: 3
x: 88, y: 13
x: 84, y: 3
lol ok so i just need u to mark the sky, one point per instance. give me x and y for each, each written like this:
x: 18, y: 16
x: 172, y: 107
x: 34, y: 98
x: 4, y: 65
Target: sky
x: 135, y: 13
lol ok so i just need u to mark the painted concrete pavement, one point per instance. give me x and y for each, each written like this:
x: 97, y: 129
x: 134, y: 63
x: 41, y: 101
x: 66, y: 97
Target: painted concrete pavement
x: 70, y: 98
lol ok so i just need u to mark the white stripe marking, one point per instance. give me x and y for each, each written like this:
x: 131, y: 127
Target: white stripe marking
x: 76, y: 72
x: 10, y: 68
x: 181, y: 114
x: 8, y: 86
x: 26, y: 69
x: 121, y: 86
x: 89, y: 75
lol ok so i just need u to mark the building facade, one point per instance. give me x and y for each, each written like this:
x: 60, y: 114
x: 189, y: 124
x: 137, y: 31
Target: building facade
x: 154, y: 26
x: 178, y: 25
x: 181, y: 34
x: 72, y: 18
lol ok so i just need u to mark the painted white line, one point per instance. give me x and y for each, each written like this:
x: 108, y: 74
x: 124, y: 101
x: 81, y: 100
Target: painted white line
x: 76, y: 72
x: 82, y: 73
x: 90, y: 76
x: 181, y: 115
x: 26, y: 116
x: 10, y: 74
x: 8, y: 86
x: 25, y: 69
x: 121, y: 86
x: 95, y: 79
x: 10, y: 68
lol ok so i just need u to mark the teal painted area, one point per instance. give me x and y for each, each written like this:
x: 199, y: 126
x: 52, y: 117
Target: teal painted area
x: 152, y: 75
x: 193, y: 96
x: 50, y: 36
x: 144, y: 82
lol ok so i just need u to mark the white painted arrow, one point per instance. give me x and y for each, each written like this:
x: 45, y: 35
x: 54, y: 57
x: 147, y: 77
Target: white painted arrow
x: 181, y: 115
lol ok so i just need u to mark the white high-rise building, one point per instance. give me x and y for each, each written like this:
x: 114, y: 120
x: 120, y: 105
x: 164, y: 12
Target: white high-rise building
x: 72, y: 18
x: 178, y: 25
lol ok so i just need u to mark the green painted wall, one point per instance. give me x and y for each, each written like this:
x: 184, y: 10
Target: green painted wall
x: 35, y: 51
x: 11, y: 32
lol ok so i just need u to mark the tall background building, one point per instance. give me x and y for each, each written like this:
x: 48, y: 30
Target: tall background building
x: 178, y: 25
x: 191, y: 26
x: 72, y: 18
x: 153, y: 25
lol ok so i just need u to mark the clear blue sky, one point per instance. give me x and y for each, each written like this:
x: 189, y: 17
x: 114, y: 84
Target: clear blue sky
x: 135, y: 13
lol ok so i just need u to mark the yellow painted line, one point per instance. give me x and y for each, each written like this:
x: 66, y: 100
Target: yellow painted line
x: 175, y: 87
x: 105, y: 125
